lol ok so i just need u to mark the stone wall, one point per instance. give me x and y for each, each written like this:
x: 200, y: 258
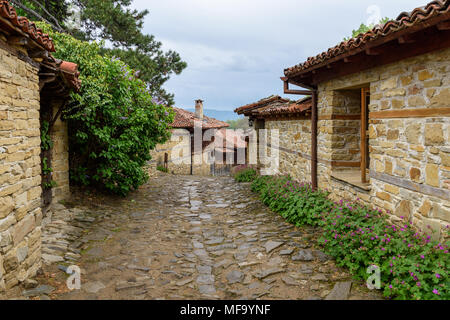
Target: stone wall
x: 409, y: 147
x: 60, y: 157
x: 294, y: 146
x: 179, y: 156
x: 20, y: 171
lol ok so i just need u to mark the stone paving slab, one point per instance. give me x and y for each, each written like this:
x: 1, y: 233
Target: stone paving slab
x: 187, y: 237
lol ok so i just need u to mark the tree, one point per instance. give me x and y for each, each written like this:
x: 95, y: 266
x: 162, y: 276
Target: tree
x: 364, y: 28
x: 241, y: 123
x: 113, y: 121
x: 114, y: 21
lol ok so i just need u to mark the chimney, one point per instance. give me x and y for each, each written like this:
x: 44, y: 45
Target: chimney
x: 199, y: 109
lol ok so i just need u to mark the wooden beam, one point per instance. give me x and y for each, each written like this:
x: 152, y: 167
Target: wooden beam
x: 364, y: 92
x: 18, y: 41
x: 405, y: 39
x: 372, y: 52
x: 38, y: 54
x: 340, y: 117
x: 444, y: 25
x: 347, y: 60
x: 345, y: 164
x: 410, y: 113
x: 299, y: 92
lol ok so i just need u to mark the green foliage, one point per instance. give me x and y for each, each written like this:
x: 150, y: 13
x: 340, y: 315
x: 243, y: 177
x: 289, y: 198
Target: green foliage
x: 116, y: 22
x: 238, y: 124
x: 50, y: 184
x: 45, y: 168
x: 245, y: 174
x: 364, y: 28
x: 113, y: 120
x: 412, y: 266
x: 162, y: 169
x: 46, y: 141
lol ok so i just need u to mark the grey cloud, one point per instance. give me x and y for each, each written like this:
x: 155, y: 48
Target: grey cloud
x: 237, y: 49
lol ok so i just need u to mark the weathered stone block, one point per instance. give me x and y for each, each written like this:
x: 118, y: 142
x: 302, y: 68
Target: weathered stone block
x: 22, y: 228
x: 425, y: 75
x: 432, y: 175
x: 441, y: 99
x: 404, y: 209
x: 415, y: 174
x: 434, y: 134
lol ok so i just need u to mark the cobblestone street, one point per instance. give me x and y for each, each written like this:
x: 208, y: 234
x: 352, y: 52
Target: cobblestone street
x: 183, y: 237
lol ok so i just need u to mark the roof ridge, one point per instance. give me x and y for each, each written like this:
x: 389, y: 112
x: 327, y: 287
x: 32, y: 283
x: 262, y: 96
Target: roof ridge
x: 404, y: 20
x: 8, y: 12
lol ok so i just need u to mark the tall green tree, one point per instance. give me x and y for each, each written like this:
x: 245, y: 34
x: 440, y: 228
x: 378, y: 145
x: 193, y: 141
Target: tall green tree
x: 122, y: 28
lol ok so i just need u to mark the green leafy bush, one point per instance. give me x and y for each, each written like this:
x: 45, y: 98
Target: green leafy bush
x: 412, y: 266
x: 162, y: 169
x: 245, y: 174
x: 113, y: 120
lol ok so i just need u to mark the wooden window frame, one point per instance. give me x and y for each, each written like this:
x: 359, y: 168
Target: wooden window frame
x: 364, y: 117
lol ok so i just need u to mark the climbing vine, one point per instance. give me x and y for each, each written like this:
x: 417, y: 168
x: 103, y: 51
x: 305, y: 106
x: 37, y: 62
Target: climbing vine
x: 46, y: 145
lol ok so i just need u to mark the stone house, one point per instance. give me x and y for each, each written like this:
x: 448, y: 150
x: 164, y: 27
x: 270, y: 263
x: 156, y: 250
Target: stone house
x: 376, y: 127
x: 181, y: 155
x: 230, y: 147
x: 33, y: 90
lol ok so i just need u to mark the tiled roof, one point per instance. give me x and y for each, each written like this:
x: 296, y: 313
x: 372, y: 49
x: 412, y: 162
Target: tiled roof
x: 418, y: 16
x: 259, y: 104
x: 71, y: 73
x: 29, y: 28
x: 21, y: 25
x: 185, y: 119
x: 288, y: 108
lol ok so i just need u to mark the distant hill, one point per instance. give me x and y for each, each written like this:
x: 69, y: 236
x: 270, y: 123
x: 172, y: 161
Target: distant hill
x: 219, y: 114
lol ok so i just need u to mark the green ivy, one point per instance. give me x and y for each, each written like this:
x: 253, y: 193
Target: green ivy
x: 162, y: 169
x: 113, y: 120
x: 46, y: 140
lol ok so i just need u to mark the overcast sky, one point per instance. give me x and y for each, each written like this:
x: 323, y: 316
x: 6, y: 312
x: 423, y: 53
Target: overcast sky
x: 236, y: 50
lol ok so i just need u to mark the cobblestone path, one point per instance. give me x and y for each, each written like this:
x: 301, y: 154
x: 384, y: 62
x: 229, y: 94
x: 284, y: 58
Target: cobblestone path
x: 183, y: 237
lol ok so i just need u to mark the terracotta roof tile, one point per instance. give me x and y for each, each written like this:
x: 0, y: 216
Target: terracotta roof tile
x: 288, y: 108
x: 405, y: 20
x: 185, y: 119
x: 259, y: 104
x: 71, y: 73
x: 29, y: 28
x: 21, y: 25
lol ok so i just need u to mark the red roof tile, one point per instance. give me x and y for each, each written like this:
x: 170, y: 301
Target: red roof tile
x: 288, y: 108
x: 259, y: 104
x: 21, y: 25
x: 29, y: 28
x: 185, y: 119
x: 418, y: 17
x: 71, y: 73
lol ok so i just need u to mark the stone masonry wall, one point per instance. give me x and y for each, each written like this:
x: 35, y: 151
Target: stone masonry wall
x: 295, y: 143
x: 20, y: 171
x: 180, y: 163
x: 60, y: 158
x: 409, y: 155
